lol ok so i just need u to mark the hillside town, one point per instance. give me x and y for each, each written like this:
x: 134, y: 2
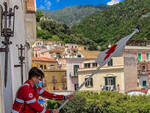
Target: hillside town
x: 66, y: 64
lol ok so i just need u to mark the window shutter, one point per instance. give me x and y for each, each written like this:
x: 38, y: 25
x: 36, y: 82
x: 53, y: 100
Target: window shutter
x: 139, y: 56
x: 91, y: 81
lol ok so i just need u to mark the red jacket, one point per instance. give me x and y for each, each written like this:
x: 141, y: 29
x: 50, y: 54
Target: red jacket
x: 27, y: 99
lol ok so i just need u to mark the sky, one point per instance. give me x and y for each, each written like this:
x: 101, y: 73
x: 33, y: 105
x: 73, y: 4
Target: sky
x: 60, y: 4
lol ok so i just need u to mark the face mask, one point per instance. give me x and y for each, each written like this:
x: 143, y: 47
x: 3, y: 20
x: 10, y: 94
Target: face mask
x: 39, y: 84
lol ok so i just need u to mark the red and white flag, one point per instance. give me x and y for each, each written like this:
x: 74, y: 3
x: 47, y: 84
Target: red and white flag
x: 115, y: 51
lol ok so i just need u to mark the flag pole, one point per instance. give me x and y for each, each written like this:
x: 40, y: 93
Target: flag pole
x: 94, y: 72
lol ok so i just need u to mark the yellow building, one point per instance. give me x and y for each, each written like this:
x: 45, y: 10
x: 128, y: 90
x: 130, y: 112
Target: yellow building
x: 55, y: 79
x: 82, y: 48
x: 38, y: 43
x: 44, y: 63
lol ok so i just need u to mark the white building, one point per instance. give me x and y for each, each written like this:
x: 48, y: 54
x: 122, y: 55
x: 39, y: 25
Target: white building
x: 25, y: 34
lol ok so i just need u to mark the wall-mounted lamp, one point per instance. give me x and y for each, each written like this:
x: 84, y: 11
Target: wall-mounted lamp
x: 21, y: 57
x: 7, y: 21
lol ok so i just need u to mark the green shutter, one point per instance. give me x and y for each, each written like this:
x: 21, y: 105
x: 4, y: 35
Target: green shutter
x: 91, y: 82
x: 144, y: 83
x: 76, y: 70
x: 147, y: 56
x: 106, y: 83
x: 139, y: 56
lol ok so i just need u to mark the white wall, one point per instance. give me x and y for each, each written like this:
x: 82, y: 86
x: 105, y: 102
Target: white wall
x: 14, y: 75
x: 1, y: 99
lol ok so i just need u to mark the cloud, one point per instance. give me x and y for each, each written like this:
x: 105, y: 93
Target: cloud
x: 49, y: 4
x: 57, y: 0
x: 42, y: 7
x: 112, y: 2
x: 45, y: 1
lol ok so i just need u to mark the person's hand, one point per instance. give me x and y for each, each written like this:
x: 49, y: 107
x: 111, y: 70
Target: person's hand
x: 69, y: 97
x: 54, y: 111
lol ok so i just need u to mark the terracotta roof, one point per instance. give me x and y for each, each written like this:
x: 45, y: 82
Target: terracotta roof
x: 30, y: 4
x: 56, y: 50
x: 90, y: 54
x: 90, y: 58
x: 43, y: 59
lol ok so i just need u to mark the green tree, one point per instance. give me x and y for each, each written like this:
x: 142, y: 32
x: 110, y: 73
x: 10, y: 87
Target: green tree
x: 39, y: 14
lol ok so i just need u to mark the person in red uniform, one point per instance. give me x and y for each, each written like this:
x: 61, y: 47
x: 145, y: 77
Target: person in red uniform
x: 27, y: 96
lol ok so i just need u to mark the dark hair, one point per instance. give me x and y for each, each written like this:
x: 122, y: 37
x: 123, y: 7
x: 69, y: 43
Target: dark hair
x: 34, y: 71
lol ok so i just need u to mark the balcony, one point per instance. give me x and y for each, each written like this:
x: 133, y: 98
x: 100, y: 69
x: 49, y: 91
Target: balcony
x: 103, y: 68
x: 109, y: 88
x: 144, y: 62
x: 141, y: 72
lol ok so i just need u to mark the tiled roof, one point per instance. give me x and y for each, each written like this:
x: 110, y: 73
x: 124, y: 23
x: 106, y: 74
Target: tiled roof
x: 31, y: 7
x: 43, y: 59
x: 56, y: 50
x: 90, y: 54
x: 38, y: 48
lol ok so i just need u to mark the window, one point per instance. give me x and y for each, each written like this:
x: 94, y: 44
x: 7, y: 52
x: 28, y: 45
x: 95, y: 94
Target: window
x: 58, y: 55
x: 68, y: 50
x: 63, y: 79
x: 110, y: 63
x: 36, y: 54
x: 54, y: 88
x: 44, y: 66
x: 147, y: 56
x: 143, y: 69
x: 75, y: 51
x: 75, y: 68
x: 139, y: 56
x: 89, y: 83
x: 76, y: 86
x: 54, y: 80
x: 41, y: 66
x: 79, y: 56
x: 87, y: 65
x: 144, y: 83
x: 94, y: 64
x: 110, y: 83
x: 64, y: 87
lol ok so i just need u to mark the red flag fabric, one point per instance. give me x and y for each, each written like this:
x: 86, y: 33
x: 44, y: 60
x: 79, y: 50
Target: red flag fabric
x: 115, y: 51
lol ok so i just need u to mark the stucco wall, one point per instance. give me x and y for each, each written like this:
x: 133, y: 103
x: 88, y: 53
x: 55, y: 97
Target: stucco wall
x: 1, y: 99
x: 14, y: 75
x: 58, y: 76
x: 70, y: 71
x: 130, y: 70
x: 99, y: 78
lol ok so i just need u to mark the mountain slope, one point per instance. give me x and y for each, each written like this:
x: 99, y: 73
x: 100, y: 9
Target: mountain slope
x: 115, y: 22
x: 72, y: 15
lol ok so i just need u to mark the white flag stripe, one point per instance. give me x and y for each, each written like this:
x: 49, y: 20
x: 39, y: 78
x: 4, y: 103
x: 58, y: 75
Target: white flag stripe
x: 118, y: 50
x: 122, y: 43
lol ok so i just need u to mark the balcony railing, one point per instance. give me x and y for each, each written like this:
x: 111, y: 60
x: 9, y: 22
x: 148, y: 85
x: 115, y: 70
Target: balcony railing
x: 109, y: 88
x: 141, y: 72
